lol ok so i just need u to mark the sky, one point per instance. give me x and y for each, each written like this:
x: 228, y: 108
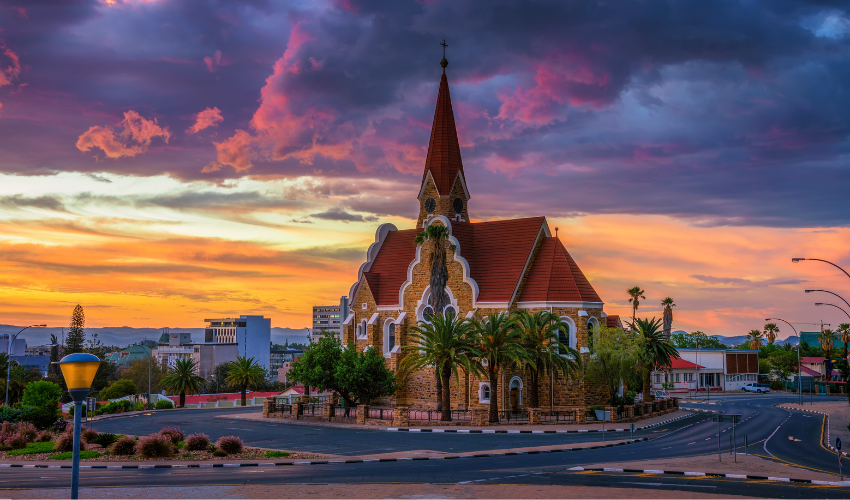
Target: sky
x: 163, y: 161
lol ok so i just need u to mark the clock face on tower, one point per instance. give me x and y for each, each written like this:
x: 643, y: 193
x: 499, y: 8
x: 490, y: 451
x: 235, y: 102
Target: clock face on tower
x: 430, y: 205
x: 457, y: 204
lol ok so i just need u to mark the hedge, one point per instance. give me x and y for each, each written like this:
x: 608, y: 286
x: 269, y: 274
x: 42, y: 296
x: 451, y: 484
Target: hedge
x: 41, y: 417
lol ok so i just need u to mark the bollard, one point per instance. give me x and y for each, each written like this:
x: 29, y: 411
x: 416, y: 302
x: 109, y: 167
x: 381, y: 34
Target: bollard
x: 632, y: 429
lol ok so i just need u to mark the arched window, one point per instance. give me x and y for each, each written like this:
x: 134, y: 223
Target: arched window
x: 363, y: 330
x: 592, y: 327
x: 390, y: 337
x: 450, y: 311
x: 564, y: 338
x: 485, y: 392
x: 428, y: 313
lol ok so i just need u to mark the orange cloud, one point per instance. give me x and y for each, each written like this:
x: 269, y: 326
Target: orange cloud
x: 209, y: 117
x: 236, y: 151
x: 134, y: 138
x: 9, y: 73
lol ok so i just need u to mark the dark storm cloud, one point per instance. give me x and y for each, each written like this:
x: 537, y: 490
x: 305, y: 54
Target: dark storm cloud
x: 718, y: 112
x: 46, y: 202
x: 341, y: 215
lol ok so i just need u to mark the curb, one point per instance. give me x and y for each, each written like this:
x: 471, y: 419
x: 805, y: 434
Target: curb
x: 495, y: 431
x: 316, y: 462
x: 715, y: 474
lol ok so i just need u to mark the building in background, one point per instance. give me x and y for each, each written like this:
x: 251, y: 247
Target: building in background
x: 210, y: 355
x: 329, y: 318
x: 19, y: 346
x: 281, y: 360
x: 124, y: 357
x: 173, y: 346
x: 42, y: 350
x: 720, y: 369
x: 251, y: 334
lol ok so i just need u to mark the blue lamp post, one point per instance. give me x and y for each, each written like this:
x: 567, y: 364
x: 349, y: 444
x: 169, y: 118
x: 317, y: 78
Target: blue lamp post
x: 79, y: 370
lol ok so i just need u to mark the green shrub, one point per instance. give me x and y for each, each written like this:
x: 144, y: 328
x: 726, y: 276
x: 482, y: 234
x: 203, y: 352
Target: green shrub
x: 70, y: 454
x: 118, y: 389
x: 197, y: 442
x: 125, y: 445
x: 596, y: 407
x: 40, y: 416
x: 229, y: 444
x: 155, y: 446
x: 219, y: 453
x: 42, y: 393
x: 277, y: 454
x: 33, y: 448
x: 104, y: 439
x: 140, y: 406
x: 117, y: 407
x: 164, y: 404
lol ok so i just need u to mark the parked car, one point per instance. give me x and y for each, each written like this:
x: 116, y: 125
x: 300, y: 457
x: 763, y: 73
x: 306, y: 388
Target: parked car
x: 756, y: 387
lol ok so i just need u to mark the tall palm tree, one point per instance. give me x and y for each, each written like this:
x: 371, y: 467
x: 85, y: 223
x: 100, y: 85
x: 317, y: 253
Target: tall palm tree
x: 182, y: 379
x: 770, y: 330
x: 635, y: 294
x: 245, y: 372
x: 447, y: 343
x: 655, y: 351
x: 844, y: 330
x: 546, y: 353
x: 755, y: 338
x: 668, y: 317
x: 439, y: 299
x: 499, y: 344
x: 827, y: 342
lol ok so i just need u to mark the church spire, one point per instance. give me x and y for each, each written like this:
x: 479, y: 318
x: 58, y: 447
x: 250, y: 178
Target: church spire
x: 443, y: 161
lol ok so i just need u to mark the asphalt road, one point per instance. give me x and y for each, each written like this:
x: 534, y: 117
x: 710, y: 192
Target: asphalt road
x: 773, y: 433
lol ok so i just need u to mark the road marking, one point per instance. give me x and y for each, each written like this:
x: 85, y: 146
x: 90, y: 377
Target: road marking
x: 692, y: 443
x: 665, y: 484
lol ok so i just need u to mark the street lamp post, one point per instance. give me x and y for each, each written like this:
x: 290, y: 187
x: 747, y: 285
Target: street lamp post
x: 9, y: 355
x: 799, y: 365
x: 833, y: 305
x: 79, y: 370
x: 833, y: 293
x: 798, y: 259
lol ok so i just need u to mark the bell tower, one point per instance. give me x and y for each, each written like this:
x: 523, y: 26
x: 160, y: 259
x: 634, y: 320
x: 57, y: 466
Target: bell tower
x: 443, y: 190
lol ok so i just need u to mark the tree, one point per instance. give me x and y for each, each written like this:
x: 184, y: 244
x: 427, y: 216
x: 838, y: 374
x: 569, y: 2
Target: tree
x: 446, y: 343
x: 655, y: 351
x: 770, y: 331
x: 357, y: 377
x: 106, y: 374
x: 137, y: 371
x: 43, y: 394
x: 76, y: 339
x: 119, y: 389
x: 54, y: 354
x: 182, y: 379
x: 613, y: 357
x: 499, y: 344
x: 827, y: 342
x: 783, y: 364
x: 689, y: 341
x: 217, y: 380
x: 245, y: 372
x: 539, y: 334
x: 668, y: 317
x: 635, y: 294
x: 754, y: 339
x: 844, y: 331
x: 439, y: 299
x: 19, y: 378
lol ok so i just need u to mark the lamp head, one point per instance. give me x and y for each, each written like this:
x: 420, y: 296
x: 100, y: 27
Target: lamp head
x: 79, y: 370
x: 797, y: 259
x: 809, y: 291
x: 818, y: 303
x: 39, y: 326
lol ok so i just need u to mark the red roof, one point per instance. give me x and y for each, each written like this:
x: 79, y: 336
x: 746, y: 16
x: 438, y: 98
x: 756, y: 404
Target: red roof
x: 809, y: 372
x: 683, y: 364
x: 613, y: 321
x: 443, y: 160
x: 555, y: 277
x: 811, y: 359
x: 389, y: 270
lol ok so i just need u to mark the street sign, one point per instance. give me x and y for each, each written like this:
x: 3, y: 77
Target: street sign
x: 720, y: 417
x: 838, y: 443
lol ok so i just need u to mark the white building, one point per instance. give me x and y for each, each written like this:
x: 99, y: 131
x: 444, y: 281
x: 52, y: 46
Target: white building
x: 19, y: 346
x: 329, y: 318
x: 719, y: 369
x: 173, y: 346
x: 251, y: 334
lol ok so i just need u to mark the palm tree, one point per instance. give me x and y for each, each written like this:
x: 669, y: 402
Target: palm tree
x: 770, y: 330
x: 656, y: 352
x: 635, y: 293
x: 182, y: 379
x: 755, y: 338
x: 668, y: 317
x: 438, y: 299
x: 844, y: 330
x: 447, y: 343
x: 827, y: 342
x: 499, y: 344
x: 546, y: 354
x: 243, y: 373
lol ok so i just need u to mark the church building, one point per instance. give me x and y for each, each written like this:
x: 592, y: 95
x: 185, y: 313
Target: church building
x: 498, y: 265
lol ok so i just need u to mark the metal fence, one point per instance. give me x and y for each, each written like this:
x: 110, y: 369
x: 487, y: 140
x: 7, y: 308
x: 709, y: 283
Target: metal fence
x: 513, y: 416
x: 381, y: 413
x: 557, y: 416
x: 434, y: 415
x: 340, y: 412
x: 313, y: 409
x: 281, y: 408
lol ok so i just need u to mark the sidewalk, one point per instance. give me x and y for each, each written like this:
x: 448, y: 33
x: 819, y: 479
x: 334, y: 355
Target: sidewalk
x: 609, y: 426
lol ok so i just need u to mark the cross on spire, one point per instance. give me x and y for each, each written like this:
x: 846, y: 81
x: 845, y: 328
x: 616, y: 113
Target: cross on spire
x: 444, y: 62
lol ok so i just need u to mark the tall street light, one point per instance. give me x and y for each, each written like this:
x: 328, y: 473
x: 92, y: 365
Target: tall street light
x: 798, y: 259
x: 799, y: 365
x: 833, y: 305
x: 833, y: 293
x: 9, y: 355
x: 79, y: 370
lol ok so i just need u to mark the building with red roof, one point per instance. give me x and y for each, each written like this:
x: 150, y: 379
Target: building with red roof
x: 492, y: 266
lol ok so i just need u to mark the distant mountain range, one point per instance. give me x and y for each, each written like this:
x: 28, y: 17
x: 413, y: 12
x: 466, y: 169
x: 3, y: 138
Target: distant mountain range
x: 733, y: 341
x: 126, y: 335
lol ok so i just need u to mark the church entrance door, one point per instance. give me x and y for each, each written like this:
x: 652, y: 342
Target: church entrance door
x: 514, y: 399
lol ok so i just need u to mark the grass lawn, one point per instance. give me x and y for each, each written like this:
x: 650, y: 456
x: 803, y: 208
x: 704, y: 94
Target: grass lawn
x: 277, y: 454
x: 34, y: 448
x: 69, y: 455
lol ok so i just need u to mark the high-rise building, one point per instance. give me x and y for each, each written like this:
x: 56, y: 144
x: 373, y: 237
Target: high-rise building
x: 251, y: 334
x: 329, y: 318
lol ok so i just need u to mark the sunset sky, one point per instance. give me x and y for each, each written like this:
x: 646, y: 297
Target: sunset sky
x: 166, y: 161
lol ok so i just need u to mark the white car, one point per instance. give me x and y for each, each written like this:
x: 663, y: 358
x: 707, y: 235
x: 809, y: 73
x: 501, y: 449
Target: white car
x: 755, y: 387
